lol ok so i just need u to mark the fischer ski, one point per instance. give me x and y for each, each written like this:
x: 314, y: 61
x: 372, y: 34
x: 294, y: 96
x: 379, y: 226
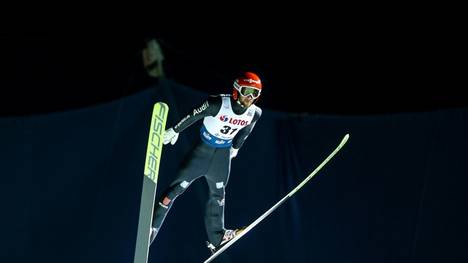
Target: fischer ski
x: 259, y: 219
x: 150, y: 180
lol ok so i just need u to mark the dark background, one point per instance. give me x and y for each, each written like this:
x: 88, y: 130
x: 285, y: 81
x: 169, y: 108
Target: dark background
x: 347, y: 69
x: 71, y: 186
x: 74, y: 128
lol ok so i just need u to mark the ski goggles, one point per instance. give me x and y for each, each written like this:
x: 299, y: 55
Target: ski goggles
x: 249, y: 91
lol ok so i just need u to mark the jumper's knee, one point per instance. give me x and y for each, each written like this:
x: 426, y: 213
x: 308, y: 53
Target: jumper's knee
x: 165, y: 203
x: 180, y: 188
x: 173, y: 193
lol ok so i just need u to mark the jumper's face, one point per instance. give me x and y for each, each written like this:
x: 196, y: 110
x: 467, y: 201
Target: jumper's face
x: 248, y: 95
x: 246, y: 101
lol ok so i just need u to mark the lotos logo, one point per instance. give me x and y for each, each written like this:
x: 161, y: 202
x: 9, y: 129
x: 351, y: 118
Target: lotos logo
x: 223, y: 118
x: 234, y: 121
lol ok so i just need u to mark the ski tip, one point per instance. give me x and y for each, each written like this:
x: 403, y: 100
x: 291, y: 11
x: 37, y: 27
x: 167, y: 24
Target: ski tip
x: 345, y: 139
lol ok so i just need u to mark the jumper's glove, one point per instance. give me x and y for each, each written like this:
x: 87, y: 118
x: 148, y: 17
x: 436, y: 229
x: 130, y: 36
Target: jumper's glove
x: 233, y: 152
x: 170, y: 136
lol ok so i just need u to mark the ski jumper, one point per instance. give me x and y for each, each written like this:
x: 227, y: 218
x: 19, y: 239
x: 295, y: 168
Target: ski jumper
x: 226, y: 124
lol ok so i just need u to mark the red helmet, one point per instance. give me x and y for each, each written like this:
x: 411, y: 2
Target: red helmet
x: 248, y: 84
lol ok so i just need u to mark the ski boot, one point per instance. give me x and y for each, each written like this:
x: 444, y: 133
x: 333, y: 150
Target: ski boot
x: 228, y: 236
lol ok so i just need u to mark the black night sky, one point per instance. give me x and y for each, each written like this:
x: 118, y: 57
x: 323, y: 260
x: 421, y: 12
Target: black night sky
x: 348, y: 72
x: 75, y: 106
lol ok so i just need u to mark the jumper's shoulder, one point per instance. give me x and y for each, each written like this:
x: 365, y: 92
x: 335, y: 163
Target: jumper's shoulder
x: 258, y: 112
